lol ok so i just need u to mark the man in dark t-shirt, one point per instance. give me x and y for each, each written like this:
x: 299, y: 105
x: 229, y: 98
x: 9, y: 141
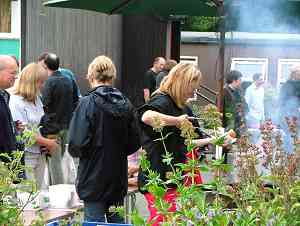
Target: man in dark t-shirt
x: 150, y: 77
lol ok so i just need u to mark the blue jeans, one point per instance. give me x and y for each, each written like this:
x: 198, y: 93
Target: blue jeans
x: 99, y: 212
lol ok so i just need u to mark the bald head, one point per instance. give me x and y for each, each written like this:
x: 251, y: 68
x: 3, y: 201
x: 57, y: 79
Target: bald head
x: 8, y: 71
x: 158, y: 64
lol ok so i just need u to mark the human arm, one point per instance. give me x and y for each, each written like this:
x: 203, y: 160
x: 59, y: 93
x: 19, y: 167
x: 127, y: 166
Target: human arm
x: 203, y: 142
x: 75, y: 94
x: 146, y: 95
x: 147, y: 86
x: 149, y: 117
x: 80, y: 133
x: 133, y: 141
x: 50, y: 144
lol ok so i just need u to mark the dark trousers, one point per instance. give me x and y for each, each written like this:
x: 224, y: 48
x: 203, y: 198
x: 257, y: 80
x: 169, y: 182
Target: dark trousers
x: 99, y: 212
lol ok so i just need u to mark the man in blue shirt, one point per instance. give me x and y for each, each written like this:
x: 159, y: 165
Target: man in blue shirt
x: 65, y: 72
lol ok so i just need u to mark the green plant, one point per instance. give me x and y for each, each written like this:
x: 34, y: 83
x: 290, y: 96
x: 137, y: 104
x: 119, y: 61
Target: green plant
x: 209, y: 116
x: 27, y: 136
x: 192, y: 207
x: 200, y: 23
x: 255, y: 199
x: 12, y: 182
x: 10, y: 185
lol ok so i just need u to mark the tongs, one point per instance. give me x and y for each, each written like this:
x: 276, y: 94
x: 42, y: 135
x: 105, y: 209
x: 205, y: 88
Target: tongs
x: 193, y: 118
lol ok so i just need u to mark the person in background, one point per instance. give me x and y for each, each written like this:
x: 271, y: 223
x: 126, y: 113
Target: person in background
x: 244, y: 86
x: 289, y: 105
x: 133, y: 168
x: 150, y: 77
x: 254, y: 98
x: 59, y: 101
x: 103, y: 132
x: 64, y: 71
x: 8, y: 74
x: 234, y: 103
x: 26, y: 106
x: 271, y: 102
x: 167, y: 68
x: 168, y: 105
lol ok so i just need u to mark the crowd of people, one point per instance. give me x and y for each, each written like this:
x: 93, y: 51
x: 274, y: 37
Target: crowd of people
x: 249, y: 104
x: 102, y: 128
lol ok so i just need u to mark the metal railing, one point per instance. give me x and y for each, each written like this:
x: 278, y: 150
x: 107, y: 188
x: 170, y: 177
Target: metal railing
x: 209, y: 91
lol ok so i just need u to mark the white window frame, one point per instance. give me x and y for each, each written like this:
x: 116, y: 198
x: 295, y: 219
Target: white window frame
x: 261, y: 61
x: 281, y: 62
x: 189, y: 59
x: 15, y: 22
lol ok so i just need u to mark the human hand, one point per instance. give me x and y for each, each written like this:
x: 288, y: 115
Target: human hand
x: 51, y: 146
x: 132, y: 169
x: 226, y: 139
x: 19, y: 126
x: 132, y: 181
x: 181, y: 119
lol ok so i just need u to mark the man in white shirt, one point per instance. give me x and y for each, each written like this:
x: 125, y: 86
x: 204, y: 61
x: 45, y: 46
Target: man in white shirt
x: 254, y: 97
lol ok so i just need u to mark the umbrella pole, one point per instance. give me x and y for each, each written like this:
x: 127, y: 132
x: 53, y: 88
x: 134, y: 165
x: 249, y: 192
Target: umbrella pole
x: 222, y: 56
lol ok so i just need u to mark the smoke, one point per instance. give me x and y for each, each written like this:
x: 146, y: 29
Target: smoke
x: 281, y: 16
x: 268, y: 16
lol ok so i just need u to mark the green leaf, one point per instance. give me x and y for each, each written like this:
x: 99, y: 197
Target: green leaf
x: 137, y: 219
x: 204, y: 168
x: 157, y: 190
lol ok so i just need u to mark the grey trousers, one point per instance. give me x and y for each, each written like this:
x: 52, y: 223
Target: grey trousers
x: 55, y: 169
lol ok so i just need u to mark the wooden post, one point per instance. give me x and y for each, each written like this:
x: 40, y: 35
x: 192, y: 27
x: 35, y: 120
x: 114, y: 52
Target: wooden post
x: 221, y: 55
x: 23, y: 58
x: 175, y: 40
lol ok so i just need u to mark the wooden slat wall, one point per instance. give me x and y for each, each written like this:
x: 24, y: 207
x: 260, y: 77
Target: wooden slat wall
x: 144, y: 38
x: 76, y: 36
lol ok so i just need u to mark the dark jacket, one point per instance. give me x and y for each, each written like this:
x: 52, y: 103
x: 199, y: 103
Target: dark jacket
x: 7, y: 128
x: 59, y: 99
x: 103, y: 131
x: 235, y: 109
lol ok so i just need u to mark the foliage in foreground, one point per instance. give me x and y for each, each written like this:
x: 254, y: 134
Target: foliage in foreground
x: 255, y: 199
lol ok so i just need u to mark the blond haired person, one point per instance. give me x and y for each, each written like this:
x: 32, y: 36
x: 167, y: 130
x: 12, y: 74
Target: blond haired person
x: 168, y: 104
x: 103, y: 132
x: 26, y: 107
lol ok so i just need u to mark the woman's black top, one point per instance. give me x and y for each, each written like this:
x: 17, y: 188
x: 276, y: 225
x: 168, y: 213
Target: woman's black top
x: 162, y: 103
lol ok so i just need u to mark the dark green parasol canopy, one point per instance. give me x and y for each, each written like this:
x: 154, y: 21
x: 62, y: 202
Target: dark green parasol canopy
x: 143, y: 7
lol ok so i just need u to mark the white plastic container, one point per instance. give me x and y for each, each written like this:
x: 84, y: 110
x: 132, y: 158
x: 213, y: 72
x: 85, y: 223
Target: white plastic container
x: 63, y: 196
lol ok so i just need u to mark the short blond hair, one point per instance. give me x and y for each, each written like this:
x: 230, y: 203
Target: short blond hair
x: 179, y: 79
x: 102, y: 69
x: 27, y: 84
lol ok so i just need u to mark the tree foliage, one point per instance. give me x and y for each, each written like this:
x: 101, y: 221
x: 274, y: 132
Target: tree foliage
x: 200, y: 23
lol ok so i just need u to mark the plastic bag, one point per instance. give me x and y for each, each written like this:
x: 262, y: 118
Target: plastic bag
x: 68, y: 167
